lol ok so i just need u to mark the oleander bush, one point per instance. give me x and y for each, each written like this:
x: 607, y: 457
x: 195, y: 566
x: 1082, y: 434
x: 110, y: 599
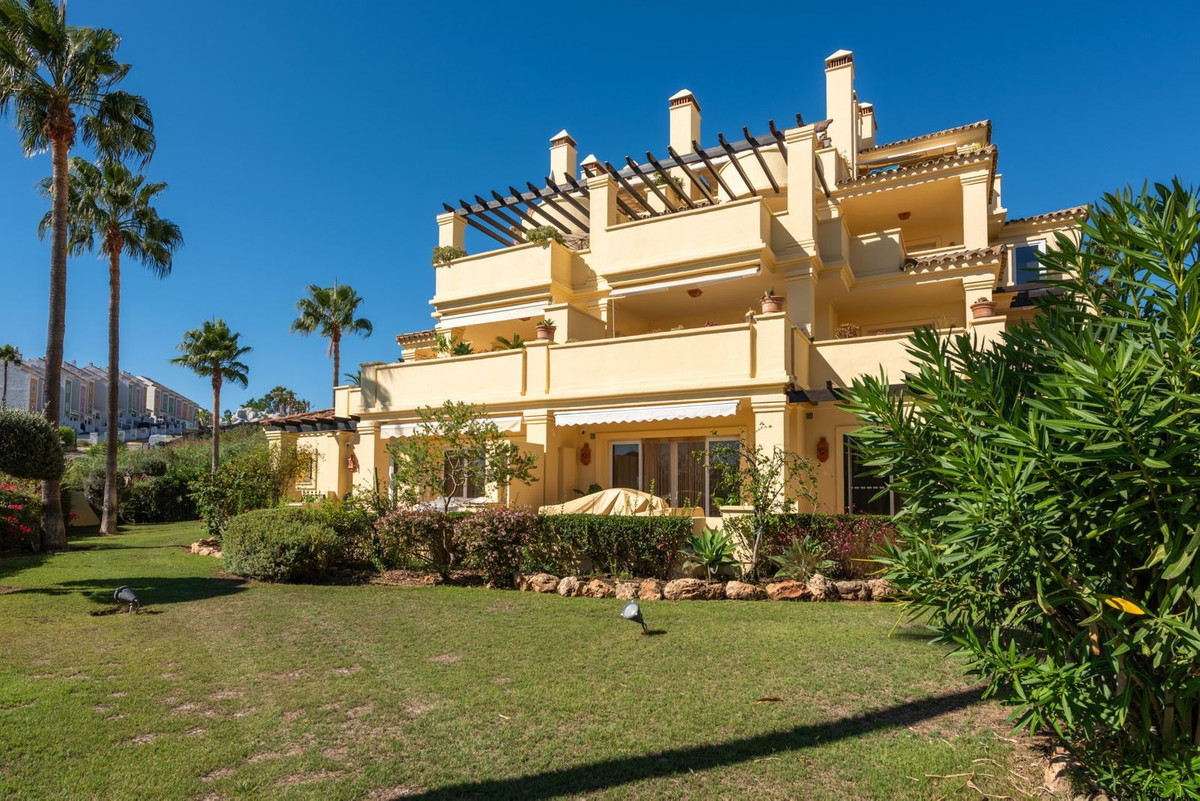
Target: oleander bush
x: 1051, y: 528
x: 20, y: 515
x: 287, y: 544
x: 496, y: 540
x: 29, y: 445
x: 421, y: 538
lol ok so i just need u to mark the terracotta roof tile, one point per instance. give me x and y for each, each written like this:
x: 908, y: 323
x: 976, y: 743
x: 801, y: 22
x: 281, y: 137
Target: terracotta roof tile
x: 318, y: 416
x: 981, y: 124
x: 416, y: 336
x: 988, y: 152
x: 1077, y: 212
x: 954, y: 256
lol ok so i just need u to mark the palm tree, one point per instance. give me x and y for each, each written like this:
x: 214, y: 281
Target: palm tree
x: 51, y: 72
x: 9, y: 355
x: 331, y: 311
x: 504, y: 343
x: 354, y: 379
x: 213, y: 350
x: 110, y: 208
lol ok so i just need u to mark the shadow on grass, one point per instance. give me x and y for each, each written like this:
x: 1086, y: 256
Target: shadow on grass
x: 150, y: 591
x: 600, y: 776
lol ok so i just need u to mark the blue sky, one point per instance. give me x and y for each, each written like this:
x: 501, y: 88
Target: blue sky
x: 305, y: 141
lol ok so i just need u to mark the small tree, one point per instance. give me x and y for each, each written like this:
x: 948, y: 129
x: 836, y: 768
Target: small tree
x: 456, y: 446
x: 767, y: 481
x: 280, y: 400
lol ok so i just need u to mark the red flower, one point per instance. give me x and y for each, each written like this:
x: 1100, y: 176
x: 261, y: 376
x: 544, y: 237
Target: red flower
x: 15, y: 506
x: 26, y: 530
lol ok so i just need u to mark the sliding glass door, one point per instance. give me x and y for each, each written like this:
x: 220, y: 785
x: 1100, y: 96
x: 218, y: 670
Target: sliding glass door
x: 678, y: 470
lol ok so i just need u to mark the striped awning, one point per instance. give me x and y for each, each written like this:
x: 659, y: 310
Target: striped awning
x: 642, y: 414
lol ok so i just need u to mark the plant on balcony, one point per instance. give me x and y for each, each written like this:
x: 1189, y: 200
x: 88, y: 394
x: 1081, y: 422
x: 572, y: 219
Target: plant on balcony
x: 846, y: 331
x: 453, y: 346
x: 505, y: 343
x: 546, y: 329
x: 444, y: 255
x: 543, y: 235
x: 673, y: 181
x: 983, y: 307
x: 771, y: 302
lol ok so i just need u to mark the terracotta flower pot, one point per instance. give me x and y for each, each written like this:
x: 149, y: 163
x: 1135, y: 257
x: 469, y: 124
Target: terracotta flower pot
x: 546, y: 332
x: 772, y: 304
x: 983, y: 308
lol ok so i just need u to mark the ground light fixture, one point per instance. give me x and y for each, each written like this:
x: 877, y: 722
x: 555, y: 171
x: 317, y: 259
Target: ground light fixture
x: 634, y: 612
x: 124, y: 595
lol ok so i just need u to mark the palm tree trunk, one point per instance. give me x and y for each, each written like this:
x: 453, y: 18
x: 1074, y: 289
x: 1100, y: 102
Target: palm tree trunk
x: 216, y: 420
x: 54, y: 531
x: 108, y: 519
x: 336, y: 341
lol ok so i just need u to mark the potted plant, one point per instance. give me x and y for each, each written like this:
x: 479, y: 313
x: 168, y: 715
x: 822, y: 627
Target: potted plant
x: 771, y: 302
x: 444, y: 255
x: 846, y: 331
x: 984, y: 307
x: 545, y: 329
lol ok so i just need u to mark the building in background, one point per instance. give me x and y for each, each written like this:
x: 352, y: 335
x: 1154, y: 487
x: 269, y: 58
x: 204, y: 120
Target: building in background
x: 145, y: 408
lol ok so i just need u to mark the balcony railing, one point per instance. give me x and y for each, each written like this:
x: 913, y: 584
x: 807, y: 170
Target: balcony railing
x: 519, y: 270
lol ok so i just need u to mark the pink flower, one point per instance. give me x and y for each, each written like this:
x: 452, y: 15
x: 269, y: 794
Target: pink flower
x: 26, y: 530
x: 15, y: 506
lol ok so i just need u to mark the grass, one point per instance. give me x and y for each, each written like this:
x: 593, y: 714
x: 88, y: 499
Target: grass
x: 225, y: 688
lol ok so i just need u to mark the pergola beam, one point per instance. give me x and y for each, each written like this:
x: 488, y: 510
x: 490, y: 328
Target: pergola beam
x: 737, y: 166
x: 663, y: 172
x: 557, y: 208
x: 696, y: 181
x: 533, y: 207
x: 471, y: 222
x: 762, y: 162
x: 515, y: 209
x: 483, y: 217
x: 615, y: 173
x: 494, y: 207
x: 712, y: 168
x: 565, y: 195
x: 648, y: 182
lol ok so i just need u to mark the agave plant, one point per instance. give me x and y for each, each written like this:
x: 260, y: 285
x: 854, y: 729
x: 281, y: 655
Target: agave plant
x: 803, y: 559
x: 711, y: 550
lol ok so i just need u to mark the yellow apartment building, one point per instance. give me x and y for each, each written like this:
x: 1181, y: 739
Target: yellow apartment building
x: 663, y: 343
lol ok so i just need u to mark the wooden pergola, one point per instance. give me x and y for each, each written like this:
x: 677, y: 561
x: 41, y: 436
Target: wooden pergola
x: 505, y: 217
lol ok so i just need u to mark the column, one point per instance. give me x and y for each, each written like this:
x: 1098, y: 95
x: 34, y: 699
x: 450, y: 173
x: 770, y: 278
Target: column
x: 541, y: 432
x: 452, y: 229
x: 366, y: 453
x: 975, y: 210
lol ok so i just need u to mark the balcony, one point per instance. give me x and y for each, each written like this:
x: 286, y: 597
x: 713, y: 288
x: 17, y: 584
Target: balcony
x: 511, y: 273
x: 766, y: 353
x: 728, y: 232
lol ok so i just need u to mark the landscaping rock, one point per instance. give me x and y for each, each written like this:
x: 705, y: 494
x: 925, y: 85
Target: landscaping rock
x: 570, y: 587
x: 823, y: 589
x: 650, y: 590
x: 539, y: 582
x: 788, y: 591
x: 691, y: 589
x: 627, y: 590
x: 598, y: 588
x: 882, y: 588
x: 207, y: 547
x: 853, y: 590
x: 741, y: 591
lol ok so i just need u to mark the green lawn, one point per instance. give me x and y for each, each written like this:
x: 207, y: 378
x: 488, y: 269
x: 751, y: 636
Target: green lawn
x: 224, y: 688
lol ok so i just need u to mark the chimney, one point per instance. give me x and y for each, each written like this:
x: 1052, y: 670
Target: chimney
x: 685, y: 121
x: 841, y: 107
x: 591, y: 166
x: 562, y: 157
x: 866, y: 125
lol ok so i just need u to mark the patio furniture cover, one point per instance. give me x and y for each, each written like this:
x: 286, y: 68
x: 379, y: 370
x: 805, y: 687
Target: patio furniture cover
x: 610, y: 502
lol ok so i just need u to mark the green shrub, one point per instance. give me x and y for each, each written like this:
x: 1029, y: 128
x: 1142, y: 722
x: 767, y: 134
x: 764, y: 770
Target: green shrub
x: 853, y: 541
x: 613, y: 544
x: 286, y: 544
x: 421, y: 538
x: 543, y: 234
x: 803, y: 559
x: 29, y: 446
x: 67, y: 436
x: 496, y: 539
x: 157, y: 499
x: 20, y: 516
x: 257, y: 478
x: 712, y: 550
x: 1050, y: 477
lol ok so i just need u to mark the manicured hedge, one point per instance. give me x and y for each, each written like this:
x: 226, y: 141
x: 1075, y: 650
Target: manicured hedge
x: 612, y: 544
x: 853, y: 540
x: 286, y: 544
x: 158, y: 499
x: 29, y: 445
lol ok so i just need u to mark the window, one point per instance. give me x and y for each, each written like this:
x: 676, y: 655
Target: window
x: 91, y: 400
x: 307, y: 464
x: 679, y: 470
x: 862, y: 490
x: 460, y: 480
x: 627, y: 465
x: 33, y: 395
x: 67, y: 395
x: 131, y: 399
x: 1026, y: 264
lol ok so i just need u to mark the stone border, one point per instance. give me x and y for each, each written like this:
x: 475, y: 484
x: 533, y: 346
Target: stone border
x: 817, y: 588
